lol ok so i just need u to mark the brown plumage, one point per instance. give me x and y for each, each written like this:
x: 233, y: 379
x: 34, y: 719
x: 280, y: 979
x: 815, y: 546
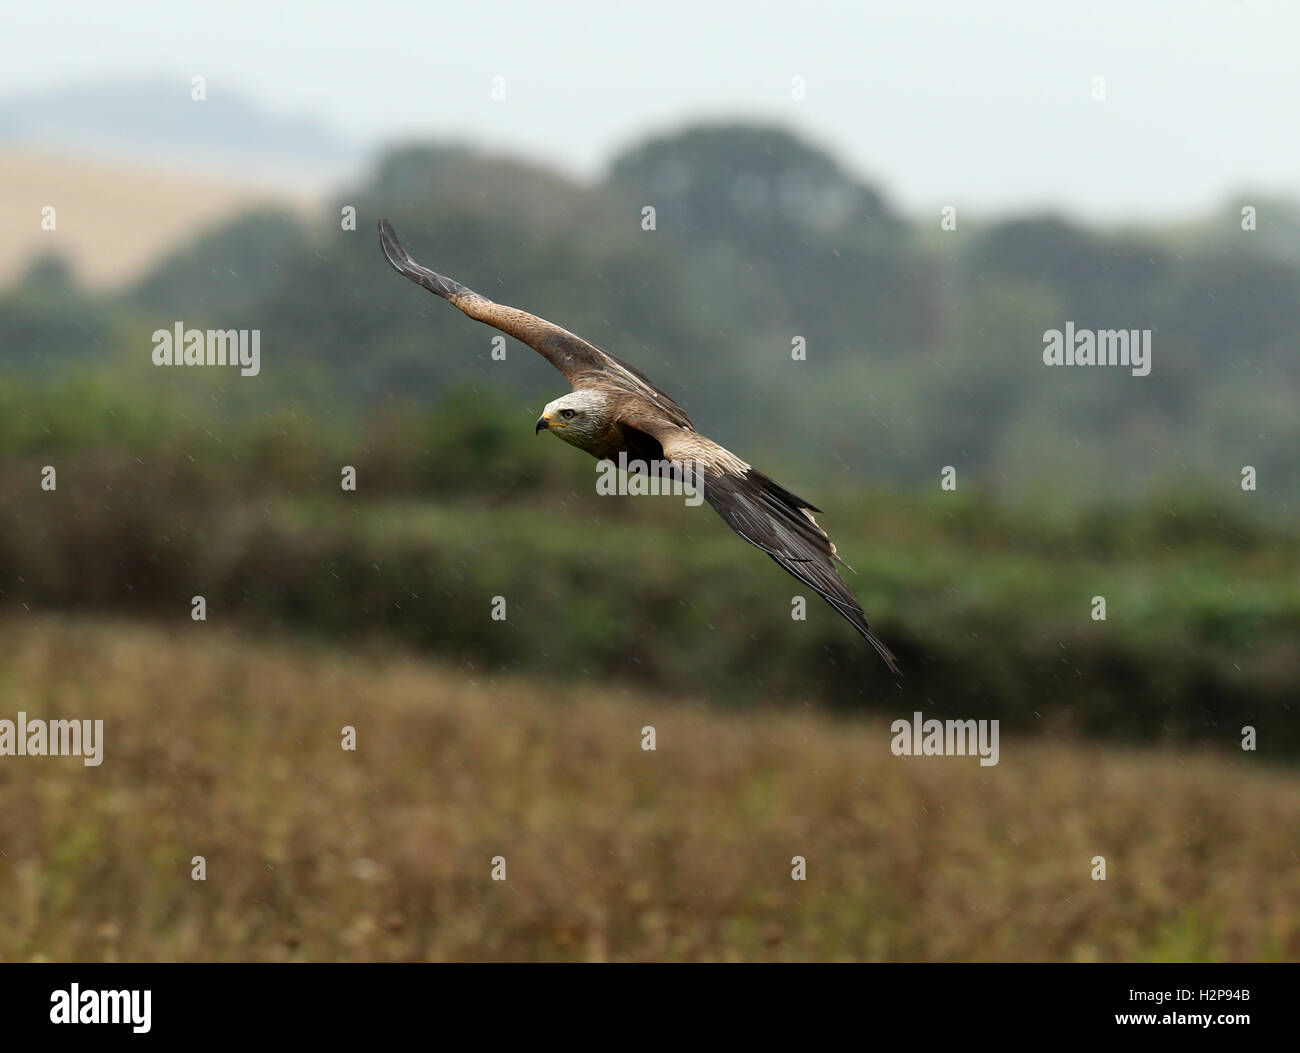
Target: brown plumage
x: 615, y: 409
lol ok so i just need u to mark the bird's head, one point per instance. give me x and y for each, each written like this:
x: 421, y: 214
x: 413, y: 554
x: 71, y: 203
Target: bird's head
x: 577, y: 417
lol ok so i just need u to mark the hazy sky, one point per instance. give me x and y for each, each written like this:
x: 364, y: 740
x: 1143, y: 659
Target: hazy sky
x: 947, y: 102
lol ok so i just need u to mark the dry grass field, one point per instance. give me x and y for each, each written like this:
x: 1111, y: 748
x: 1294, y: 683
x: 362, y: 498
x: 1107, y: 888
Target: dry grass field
x: 228, y: 746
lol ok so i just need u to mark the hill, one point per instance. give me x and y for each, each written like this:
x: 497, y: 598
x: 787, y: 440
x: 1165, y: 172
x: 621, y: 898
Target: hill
x: 114, y: 219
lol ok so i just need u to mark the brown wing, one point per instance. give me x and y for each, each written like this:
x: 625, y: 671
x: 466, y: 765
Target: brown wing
x: 583, y: 364
x: 764, y: 513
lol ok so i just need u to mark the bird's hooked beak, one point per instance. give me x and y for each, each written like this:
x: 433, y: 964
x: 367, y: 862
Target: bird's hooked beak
x: 543, y: 422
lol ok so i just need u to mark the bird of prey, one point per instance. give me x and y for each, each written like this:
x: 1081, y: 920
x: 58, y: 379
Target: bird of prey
x: 615, y: 409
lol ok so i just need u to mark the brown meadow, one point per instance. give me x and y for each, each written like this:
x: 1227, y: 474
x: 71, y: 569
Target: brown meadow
x: 228, y: 746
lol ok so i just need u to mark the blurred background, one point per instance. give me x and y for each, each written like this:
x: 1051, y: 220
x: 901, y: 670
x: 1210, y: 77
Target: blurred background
x: 1103, y: 166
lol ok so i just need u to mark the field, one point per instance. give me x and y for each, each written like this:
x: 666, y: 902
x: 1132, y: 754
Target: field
x: 228, y: 746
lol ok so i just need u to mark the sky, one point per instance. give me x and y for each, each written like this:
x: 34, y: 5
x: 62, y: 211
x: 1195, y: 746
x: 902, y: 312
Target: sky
x: 982, y: 105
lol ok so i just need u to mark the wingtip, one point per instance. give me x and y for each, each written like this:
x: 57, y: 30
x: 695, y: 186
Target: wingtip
x: 391, y: 246
x: 885, y: 653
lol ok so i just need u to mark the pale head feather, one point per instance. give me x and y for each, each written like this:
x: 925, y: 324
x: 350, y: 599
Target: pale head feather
x: 588, y: 410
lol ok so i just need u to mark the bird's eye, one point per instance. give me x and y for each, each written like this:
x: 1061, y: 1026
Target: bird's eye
x: 566, y: 413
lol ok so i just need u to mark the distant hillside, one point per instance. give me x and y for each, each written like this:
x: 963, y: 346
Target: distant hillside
x: 136, y: 168
x: 114, y: 220
x: 158, y: 122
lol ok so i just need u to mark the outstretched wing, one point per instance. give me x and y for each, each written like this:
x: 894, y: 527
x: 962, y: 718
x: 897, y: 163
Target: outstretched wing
x: 762, y: 512
x: 583, y: 364
x: 765, y: 514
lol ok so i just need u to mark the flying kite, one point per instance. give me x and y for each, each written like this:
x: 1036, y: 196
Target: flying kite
x: 614, y: 409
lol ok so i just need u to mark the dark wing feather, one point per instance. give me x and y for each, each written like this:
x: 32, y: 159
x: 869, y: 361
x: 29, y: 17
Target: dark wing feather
x: 764, y: 517
x: 771, y: 518
x: 826, y: 580
x: 762, y: 511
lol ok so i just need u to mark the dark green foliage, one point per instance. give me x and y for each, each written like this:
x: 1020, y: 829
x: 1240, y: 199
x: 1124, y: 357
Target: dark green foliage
x: 227, y: 271
x: 988, y: 608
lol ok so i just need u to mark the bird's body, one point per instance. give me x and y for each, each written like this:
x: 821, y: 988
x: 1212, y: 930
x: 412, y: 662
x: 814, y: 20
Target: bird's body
x: 614, y: 409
